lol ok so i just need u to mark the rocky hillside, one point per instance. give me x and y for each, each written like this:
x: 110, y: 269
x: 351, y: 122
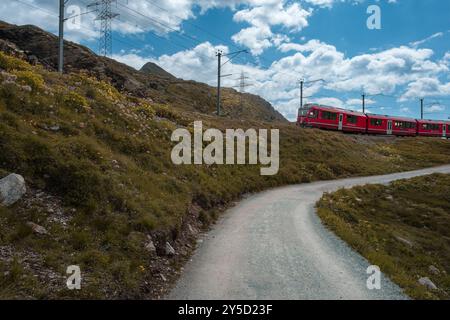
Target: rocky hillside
x: 150, y: 82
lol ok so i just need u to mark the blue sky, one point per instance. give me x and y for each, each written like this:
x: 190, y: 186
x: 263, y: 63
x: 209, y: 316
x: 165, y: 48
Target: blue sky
x: 405, y: 60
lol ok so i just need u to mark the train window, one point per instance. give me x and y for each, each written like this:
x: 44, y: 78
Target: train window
x: 409, y: 125
x: 352, y: 119
x: 329, y: 115
x: 303, y: 112
x: 376, y: 122
x: 405, y: 125
x: 313, y: 114
x: 430, y: 126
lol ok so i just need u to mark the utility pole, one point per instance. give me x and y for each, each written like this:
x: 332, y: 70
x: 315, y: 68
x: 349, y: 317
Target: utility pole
x: 61, y: 37
x: 421, y: 108
x: 219, y: 56
x: 364, y: 103
x: 302, y: 82
x: 219, y: 67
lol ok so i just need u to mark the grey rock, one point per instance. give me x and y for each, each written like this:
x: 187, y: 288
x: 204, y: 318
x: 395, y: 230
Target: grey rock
x: 37, y: 228
x: 434, y: 270
x: 27, y: 88
x: 192, y: 230
x: 150, y: 247
x: 170, y: 251
x: 405, y: 241
x: 425, y: 281
x: 12, y: 188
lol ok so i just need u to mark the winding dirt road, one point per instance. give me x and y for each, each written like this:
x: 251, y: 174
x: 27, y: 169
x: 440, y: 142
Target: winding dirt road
x: 272, y: 245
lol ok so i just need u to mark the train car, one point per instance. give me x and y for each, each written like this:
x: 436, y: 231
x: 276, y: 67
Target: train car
x: 388, y: 125
x: 432, y: 128
x: 378, y: 124
x: 325, y: 117
x: 302, y: 117
x: 404, y: 126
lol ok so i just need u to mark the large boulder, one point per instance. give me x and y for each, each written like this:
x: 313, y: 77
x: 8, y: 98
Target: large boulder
x: 426, y: 282
x: 37, y: 228
x: 169, y: 250
x: 12, y: 188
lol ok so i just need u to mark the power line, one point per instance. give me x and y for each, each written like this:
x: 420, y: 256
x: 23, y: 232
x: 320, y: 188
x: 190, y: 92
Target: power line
x: 195, y: 25
x: 178, y: 33
x: 161, y: 24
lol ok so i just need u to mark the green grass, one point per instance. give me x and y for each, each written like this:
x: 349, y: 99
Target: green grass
x: 109, y: 164
x: 404, y: 228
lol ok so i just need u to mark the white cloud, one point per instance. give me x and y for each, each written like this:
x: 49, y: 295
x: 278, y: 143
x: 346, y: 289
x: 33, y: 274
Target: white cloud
x: 329, y: 101
x: 263, y: 17
x: 420, y: 42
x: 435, y: 108
x: 322, y: 3
x: 256, y: 38
x: 426, y: 87
x: 132, y: 59
x: 357, y: 102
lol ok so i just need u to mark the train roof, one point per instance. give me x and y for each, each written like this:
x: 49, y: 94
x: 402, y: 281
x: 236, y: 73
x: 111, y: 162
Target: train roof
x: 382, y: 116
x: 431, y: 121
x: 334, y: 109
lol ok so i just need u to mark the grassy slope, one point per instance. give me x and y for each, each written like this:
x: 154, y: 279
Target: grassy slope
x: 109, y: 166
x: 404, y: 228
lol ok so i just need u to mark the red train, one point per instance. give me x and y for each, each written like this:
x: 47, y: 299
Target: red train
x: 324, y: 117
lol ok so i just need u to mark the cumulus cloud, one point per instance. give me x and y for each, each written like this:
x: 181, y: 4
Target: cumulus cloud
x: 133, y: 59
x: 262, y: 18
x: 426, y: 87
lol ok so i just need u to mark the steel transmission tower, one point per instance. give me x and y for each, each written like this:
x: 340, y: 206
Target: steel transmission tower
x: 242, y: 86
x: 105, y: 16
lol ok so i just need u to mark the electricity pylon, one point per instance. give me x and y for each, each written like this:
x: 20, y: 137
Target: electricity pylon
x: 105, y: 16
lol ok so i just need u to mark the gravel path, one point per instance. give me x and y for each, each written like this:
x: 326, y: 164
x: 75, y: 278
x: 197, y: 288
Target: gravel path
x: 272, y: 245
